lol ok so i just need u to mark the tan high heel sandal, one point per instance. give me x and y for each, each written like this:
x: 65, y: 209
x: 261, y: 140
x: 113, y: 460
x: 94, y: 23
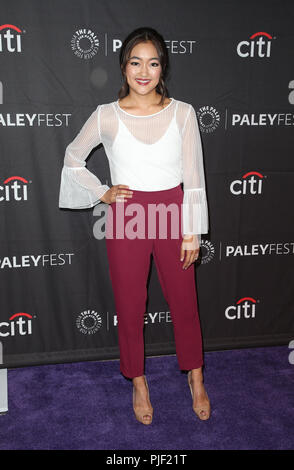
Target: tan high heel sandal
x: 203, y: 411
x: 144, y: 415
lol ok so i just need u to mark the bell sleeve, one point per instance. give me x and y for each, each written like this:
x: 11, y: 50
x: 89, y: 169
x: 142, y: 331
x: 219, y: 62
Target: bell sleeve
x: 195, y: 211
x: 79, y: 188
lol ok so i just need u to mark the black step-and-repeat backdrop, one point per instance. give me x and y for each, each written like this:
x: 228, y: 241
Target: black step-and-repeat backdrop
x: 233, y: 61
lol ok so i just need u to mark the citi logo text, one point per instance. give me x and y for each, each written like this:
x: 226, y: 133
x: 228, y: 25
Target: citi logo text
x: 14, y: 189
x: 19, y: 324
x: 245, y: 308
x: 250, y: 183
x: 259, y: 45
x: 10, y: 38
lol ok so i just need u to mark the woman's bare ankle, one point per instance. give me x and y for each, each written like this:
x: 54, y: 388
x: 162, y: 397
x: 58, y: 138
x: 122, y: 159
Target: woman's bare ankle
x: 139, y: 381
x: 197, y: 374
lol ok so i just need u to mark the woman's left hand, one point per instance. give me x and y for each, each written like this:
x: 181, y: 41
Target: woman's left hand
x: 189, y: 250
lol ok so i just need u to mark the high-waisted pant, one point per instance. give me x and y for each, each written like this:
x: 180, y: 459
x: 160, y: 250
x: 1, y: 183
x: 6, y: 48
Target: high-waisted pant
x: 129, y: 264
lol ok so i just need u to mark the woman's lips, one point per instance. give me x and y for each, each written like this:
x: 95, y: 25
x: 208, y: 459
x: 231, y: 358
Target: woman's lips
x: 142, y: 82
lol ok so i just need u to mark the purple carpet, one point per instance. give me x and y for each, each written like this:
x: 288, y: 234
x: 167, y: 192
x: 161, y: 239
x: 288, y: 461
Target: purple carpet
x: 88, y: 405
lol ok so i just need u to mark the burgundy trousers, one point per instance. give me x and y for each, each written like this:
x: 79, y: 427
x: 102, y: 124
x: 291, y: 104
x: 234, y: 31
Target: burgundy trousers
x: 132, y: 235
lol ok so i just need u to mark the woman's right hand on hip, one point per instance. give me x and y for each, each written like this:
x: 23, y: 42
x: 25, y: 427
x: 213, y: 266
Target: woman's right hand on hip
x: 116, y: 193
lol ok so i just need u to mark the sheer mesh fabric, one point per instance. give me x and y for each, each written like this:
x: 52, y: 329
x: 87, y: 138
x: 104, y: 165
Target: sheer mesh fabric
x: 81, y: 189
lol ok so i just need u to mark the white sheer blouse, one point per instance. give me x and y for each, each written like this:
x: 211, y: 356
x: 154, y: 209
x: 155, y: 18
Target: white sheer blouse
x: 147, y: 153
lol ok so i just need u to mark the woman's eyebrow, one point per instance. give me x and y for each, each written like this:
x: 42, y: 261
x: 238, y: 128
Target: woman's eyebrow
x: 135, y: 57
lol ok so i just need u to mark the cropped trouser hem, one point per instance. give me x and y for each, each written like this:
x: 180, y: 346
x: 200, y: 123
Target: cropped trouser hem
x: 139, y: 373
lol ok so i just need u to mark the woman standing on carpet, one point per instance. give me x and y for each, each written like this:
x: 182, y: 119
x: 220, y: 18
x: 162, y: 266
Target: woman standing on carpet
x: 153, y: 144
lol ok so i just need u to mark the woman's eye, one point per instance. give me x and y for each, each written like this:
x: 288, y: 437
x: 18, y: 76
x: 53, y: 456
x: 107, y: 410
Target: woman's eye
x: 153, y: 63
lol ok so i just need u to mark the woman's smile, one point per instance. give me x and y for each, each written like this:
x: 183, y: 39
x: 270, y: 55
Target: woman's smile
x: 142, y: 81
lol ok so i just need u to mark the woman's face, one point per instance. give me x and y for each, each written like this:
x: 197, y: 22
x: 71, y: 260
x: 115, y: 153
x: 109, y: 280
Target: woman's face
x: 143, y: 68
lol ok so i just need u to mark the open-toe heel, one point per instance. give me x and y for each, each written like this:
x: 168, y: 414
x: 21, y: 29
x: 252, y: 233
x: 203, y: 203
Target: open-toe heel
x: 202, y: 411
x: 143, y: 414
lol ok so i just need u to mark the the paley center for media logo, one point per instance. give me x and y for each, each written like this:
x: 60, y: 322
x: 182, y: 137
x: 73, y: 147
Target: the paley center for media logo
x: 86, y: 43
x: 89, y: 322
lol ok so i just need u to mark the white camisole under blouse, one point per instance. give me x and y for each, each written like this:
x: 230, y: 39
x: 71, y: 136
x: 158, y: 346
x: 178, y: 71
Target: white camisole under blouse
x: 148, y: 153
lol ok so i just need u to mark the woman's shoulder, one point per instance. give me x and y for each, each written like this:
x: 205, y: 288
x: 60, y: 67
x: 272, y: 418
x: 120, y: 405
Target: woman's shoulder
x: 184, y: 110
x: 106, y: 104
x: 184, y: 104
x: 106, y: 111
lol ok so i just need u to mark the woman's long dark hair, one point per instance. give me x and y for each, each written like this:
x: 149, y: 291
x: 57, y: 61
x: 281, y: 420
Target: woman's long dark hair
x: 135, y: 37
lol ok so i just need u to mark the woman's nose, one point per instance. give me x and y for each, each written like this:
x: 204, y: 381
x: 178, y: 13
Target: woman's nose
x: 144, y: 69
